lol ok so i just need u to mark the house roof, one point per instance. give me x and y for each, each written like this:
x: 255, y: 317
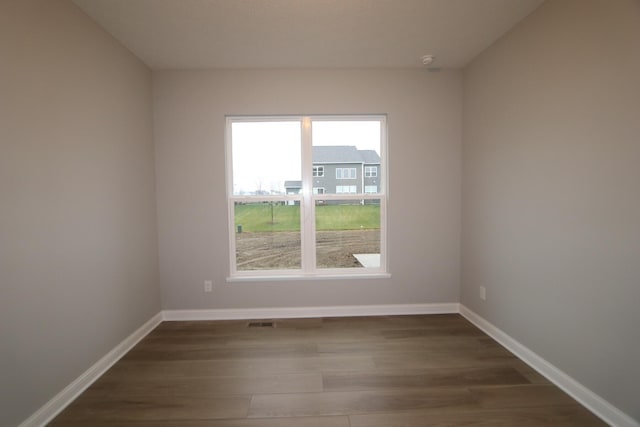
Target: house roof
x: 369, y: 156
x: 343, y: 154
x: 293, y: 184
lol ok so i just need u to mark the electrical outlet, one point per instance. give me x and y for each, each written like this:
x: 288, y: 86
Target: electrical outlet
x: 483, y: 293
x: 208, y: 285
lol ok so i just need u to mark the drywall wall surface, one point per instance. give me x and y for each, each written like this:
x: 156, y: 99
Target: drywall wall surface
x: 78, y: 250
x: 551, y: 200
x: 424, y: 165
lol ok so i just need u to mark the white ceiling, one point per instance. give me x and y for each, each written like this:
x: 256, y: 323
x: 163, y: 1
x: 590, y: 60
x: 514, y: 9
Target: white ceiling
x: 306, y: 33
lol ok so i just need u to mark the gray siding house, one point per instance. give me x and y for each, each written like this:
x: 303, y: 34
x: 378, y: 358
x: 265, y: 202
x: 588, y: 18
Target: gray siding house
x: 342, y: 169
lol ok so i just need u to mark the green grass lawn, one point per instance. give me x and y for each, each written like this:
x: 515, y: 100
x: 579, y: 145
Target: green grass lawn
x: 258, y: 217
x: 347, y: 217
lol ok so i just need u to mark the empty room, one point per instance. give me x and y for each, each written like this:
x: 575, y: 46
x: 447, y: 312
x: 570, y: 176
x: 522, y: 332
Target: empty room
x: 329, y: 213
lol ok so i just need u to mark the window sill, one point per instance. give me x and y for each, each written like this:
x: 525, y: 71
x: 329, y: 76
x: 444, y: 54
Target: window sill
x: 304, y: 277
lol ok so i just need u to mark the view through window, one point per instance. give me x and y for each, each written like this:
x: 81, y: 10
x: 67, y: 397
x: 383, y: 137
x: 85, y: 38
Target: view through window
x: 307, y: 195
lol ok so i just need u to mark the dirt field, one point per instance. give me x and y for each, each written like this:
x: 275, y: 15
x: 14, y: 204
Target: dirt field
x: 281, y: 250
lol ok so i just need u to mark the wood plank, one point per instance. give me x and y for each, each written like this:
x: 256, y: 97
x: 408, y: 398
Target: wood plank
x: 426, y: 344
x: 212, y: 386
x: 456, y: 331
x: 338, y: 421
x: 557, y: 416
x: 454, y: 360
x: 141, y: 408
x: 379, y: 380
x: 396, y: 322
x: 169, y: 351
x: 242, y: 367
x: 532, y: 395
x: 355, y: 402
x: 527, y: 371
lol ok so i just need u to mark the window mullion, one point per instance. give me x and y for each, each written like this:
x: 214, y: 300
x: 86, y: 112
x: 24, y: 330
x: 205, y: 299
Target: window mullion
x: 307, y: 210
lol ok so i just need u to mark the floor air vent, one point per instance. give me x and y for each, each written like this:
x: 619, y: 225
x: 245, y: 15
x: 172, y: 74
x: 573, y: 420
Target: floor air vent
x: 261, y: 324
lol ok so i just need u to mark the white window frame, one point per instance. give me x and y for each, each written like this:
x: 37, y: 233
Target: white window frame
x: 370, y: 171
x: 368, y: 189
x: 346, y: 189
x: 350, y: 173
x: 316, y: 190
x: 318, y: 171
x: 308, y: 200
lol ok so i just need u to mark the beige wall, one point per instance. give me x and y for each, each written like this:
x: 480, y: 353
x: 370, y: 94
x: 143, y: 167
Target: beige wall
x: 551, y: 190
x: 78, y: 252
x: 424, y: 154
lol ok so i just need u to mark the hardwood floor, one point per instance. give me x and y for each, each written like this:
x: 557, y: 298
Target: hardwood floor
x: 436, y: 370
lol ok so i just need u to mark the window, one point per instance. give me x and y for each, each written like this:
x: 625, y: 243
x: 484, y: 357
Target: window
x: 281, y: 222
x: 350, y: 189
x: 345, y: 173
x: 370, y: 188
x: 370, y: 172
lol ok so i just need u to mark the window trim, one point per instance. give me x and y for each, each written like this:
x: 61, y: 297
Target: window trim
x: 307, y: 201
x: 318, y: 171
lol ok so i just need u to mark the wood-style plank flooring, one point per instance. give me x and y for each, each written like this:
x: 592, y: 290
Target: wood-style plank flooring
x: 435, y: 370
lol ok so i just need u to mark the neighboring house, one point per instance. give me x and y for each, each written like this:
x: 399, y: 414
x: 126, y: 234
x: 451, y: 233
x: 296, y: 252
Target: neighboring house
x: 342, y: 169
x: 293, y: 187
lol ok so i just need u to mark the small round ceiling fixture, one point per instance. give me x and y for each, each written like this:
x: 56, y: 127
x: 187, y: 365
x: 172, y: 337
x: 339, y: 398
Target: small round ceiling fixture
x: 428, y: 60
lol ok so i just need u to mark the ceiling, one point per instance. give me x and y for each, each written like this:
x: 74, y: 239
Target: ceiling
x: 306, y: 33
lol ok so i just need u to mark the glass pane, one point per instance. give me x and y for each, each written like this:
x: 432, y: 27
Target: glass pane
x: 348, y: 233
x: 266, y: 157
x: 346, y: 156
x: 267, y: 235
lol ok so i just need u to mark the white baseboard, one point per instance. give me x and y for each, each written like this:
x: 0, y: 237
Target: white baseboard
x: 61, y: 400
x: 301, y: 312
x: 596, y: 404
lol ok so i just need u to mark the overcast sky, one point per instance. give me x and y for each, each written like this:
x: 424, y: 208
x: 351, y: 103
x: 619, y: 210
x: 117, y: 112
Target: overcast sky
x: 265, y: 154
